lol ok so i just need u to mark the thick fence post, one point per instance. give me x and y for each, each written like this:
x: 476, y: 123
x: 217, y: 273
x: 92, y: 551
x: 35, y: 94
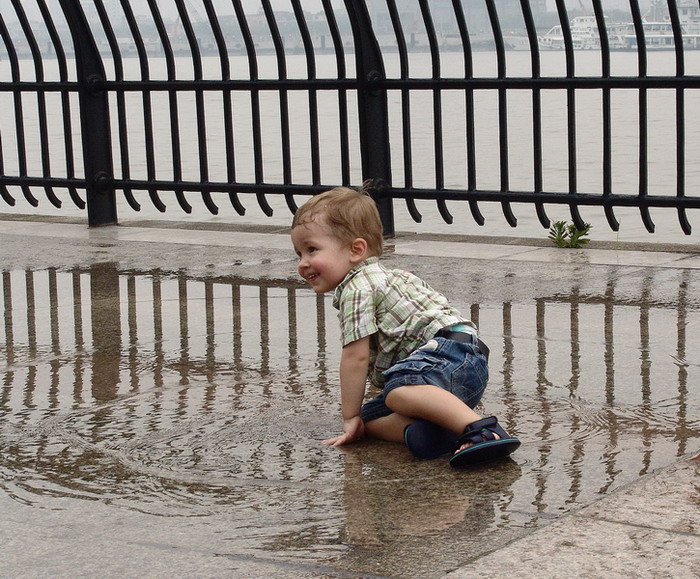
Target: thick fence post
x: 94, y: 119
x: 373, y: 110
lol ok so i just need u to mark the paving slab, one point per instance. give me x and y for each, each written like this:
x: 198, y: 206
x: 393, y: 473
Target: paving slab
x: 650, y: 529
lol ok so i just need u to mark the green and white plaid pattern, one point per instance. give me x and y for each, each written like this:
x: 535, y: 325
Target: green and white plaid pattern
x: 396, y: 308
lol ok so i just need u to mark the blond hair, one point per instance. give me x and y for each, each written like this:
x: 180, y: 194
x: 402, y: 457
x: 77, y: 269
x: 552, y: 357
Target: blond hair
x: 347, y: 214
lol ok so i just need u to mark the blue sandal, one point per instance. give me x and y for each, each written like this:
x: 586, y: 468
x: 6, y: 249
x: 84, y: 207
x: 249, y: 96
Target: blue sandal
x: 428, y: 441
x: 485, y: 446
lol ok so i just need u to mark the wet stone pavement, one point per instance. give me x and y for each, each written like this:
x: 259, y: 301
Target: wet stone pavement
x: 163, y: 397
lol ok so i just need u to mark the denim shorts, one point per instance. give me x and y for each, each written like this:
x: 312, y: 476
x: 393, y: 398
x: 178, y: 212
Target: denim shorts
x: 457, y: 367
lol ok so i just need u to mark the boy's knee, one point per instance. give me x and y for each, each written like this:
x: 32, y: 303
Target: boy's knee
x: 402, y: 394
x: 395, y: 397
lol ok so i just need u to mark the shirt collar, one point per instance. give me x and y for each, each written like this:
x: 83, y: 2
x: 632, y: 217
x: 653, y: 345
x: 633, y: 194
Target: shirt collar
x: 351, y: 274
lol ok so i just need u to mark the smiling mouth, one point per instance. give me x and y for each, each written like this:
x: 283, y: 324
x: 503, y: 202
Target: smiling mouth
x: 311, y: 278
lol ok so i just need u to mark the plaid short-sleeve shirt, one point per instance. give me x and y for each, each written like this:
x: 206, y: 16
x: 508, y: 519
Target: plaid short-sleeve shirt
x: 397, y: 309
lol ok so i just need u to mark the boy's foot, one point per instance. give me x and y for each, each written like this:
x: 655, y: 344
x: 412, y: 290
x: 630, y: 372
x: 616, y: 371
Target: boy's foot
x: 427, y: 440
x: 487, y: 441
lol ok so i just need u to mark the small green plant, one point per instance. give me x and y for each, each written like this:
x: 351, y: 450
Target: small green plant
x: 568, y: 235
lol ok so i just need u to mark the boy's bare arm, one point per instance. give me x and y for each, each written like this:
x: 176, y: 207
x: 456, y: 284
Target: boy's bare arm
x: 354, y: 365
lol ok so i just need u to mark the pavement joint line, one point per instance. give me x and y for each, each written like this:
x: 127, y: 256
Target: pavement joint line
x: 635, y: 525
x: 328, y: 571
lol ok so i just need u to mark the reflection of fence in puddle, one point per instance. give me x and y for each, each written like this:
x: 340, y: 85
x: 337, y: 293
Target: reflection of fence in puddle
x: 128, y: 328
x: 592, y: 383
x: 603, y: 385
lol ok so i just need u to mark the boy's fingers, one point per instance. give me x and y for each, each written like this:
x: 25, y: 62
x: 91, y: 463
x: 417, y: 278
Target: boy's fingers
x: 338, y: 440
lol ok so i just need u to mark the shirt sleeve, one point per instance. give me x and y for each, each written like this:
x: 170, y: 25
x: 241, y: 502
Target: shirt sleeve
x: 357, y: 315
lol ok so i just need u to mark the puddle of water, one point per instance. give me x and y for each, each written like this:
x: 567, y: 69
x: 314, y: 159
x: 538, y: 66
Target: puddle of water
x: 207, y: 399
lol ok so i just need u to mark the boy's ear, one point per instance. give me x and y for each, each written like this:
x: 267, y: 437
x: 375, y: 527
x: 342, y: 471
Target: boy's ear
x: 358, y: 249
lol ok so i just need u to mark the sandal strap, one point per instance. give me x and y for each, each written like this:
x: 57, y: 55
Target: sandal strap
x: 482, y: 430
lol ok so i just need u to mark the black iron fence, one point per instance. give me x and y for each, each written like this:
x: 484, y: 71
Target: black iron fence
x: 200, y: 103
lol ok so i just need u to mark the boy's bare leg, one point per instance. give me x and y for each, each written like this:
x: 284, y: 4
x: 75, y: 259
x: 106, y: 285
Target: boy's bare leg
x: 433, y: 404
x: 389, y: 427
x: 421, y: 401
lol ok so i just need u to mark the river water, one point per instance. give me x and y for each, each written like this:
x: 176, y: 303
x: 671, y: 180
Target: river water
x: 625, y: 137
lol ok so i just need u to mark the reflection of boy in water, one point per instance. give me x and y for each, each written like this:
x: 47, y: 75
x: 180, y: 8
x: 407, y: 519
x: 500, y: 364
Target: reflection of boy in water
x: 406, y: 523
x: 400, y: 333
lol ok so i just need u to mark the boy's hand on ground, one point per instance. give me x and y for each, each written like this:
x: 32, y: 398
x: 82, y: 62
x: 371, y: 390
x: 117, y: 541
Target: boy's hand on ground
x: 353, y: 429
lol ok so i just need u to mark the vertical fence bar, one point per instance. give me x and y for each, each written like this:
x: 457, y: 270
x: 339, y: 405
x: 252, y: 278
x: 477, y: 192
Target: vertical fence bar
x: 19, y: 112
x: 571, y: 110
x: 253, y: 74
x: 438, y: 136
x: 7, y: 41
x: 147, y: 103
x: 40, y: 100
x: 256, y: 111
x: 643, y: 115
x: 405, y: 109
x: 502, y: 110
x: 680, y: 113
x: 117, y: 63
x: 536, y: 109
x: 313, y: 97
x: 175, y: 146
x: 373, y: 109
x: 65, y: 101
x: 285, y: 129
x: 226, y: 95
x: 94, y: 119
x: 470, y: 134
x: 607, y: 115
x: 342, y: 93
x: 200, y: 114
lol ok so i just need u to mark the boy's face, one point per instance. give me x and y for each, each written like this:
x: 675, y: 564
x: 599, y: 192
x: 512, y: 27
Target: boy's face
x: 324, y: 260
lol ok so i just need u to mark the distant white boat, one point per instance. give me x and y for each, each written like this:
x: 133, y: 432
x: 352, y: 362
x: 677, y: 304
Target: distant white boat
x: 584, y: 35
x: 622, y: 36
x: 659, y: 36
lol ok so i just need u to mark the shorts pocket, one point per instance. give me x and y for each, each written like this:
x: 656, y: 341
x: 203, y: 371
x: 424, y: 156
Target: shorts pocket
x: 469, y: 381
x: 418, y: 362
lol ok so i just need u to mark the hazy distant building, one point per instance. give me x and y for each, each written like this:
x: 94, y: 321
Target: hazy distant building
x: 442, y: 13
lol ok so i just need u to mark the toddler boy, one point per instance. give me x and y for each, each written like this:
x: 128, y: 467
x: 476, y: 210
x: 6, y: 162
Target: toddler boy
x: 401, y: 334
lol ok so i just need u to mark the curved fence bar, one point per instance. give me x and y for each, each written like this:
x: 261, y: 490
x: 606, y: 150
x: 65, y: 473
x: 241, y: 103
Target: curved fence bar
x: 680, y: 112
x: 469, y: 109
x: 606, y: 116
x: 175, y: 105
x: 406, y: 146
x: 643, y: 115
x: 535, y: 64
x: 571, y: 109
x: 66, y: 120
x: 502, y: 112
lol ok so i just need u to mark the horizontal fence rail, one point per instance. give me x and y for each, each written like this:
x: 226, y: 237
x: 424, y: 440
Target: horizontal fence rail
x: 199, y: 103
